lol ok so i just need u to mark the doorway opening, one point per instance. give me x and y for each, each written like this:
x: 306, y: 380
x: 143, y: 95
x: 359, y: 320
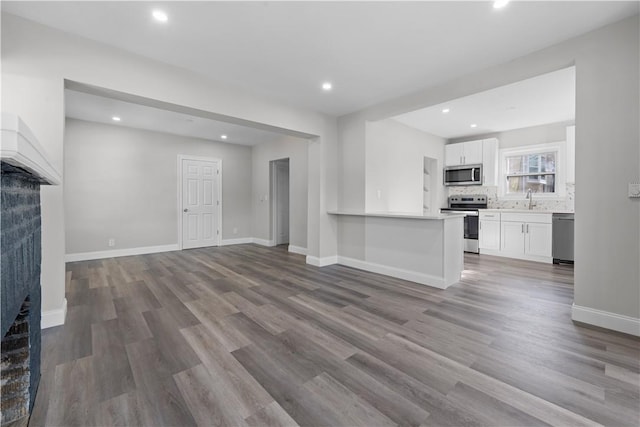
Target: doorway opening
x: 279, y: 177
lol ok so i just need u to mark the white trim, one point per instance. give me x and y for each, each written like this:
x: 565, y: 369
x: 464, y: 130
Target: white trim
x: 51, y: 318
x: 606, y: 319
x: 322, y: 262
x: 182, y: 157
x: 297, y: 250
x: 273, y: 201
x: 20, y: 148
x: 86, y: 256
x: 525, y: 257
x: 263, y: 242
x: 413, y: 276
x: 240, y: 241
x: 274, y: 176
x: 559, y: 147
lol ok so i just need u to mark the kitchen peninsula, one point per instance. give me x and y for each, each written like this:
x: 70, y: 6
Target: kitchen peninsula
x: 426, y: 249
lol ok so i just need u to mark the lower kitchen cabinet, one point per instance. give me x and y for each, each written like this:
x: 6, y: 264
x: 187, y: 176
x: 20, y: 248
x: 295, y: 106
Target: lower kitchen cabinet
x: 538, y: 240
x: 512, y: 237
x: 489, y: 233
x: 517, y: 235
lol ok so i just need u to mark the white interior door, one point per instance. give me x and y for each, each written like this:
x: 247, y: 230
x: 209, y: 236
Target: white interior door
x: 200, y: 201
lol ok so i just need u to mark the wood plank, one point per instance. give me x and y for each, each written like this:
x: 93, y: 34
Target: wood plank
x: 351, y: 409
x: 251, y: 335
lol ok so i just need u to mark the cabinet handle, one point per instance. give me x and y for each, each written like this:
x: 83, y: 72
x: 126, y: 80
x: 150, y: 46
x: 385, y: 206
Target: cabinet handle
x: 527, y: 228
x: 522, y: 228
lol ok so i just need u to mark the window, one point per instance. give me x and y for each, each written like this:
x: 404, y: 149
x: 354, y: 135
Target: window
x: 536, y: 172
x: 538, y: 168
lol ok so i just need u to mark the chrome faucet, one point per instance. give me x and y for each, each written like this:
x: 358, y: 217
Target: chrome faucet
x: 530, y: 197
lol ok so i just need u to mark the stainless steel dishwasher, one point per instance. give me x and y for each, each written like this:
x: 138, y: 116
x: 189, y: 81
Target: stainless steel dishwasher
x: 563, y: 236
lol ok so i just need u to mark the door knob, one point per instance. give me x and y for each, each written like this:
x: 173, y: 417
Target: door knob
x: 185, y: 210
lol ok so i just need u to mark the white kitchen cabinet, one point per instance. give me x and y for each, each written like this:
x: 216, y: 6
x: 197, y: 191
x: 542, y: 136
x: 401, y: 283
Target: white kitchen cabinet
x: 463, y: 153
x: 490, y: 162
x: 538, y: 241
x: 512, y: 238
x: 483, y: 152
x: 571, y: 154
x: 489, y: 233
x: 526, y: 236
x: 453, y: 154
x: 472, y: 152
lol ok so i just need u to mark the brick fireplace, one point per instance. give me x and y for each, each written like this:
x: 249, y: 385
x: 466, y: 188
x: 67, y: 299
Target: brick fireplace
x: 23, y: 169
x: 20, y: 287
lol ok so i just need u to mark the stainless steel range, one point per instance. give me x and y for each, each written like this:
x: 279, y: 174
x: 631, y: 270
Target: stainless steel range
x: 468, y: 205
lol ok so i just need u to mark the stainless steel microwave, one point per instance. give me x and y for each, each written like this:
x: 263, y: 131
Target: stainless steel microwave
x: 463, y: 175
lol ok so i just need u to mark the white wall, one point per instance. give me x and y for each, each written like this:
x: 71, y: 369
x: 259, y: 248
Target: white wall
x: 121, y: 183
x: 394, y: 166
x: 607, y: 276
x: 552, y: 132
x: 352, y: 169
x: 35, y: 62
x: 296, y: 150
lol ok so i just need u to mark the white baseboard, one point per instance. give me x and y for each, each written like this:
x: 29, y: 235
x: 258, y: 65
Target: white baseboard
x: 85, y: 256
x: 322, y: 262
x: 53, y: 318
x: 535, y: 258
x: 263, y: 242
x: 240, y: 241
x: 297, y: 250
x: 606, y: 319
x: 413, y: 276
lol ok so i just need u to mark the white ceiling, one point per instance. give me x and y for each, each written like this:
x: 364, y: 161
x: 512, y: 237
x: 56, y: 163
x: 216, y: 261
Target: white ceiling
x: 93, y: 108
x: 371, y: 51
x: 549, y: 98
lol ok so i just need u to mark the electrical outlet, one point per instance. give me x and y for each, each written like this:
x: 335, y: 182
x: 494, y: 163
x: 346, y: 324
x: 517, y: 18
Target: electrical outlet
x: 235, y: 231
x: 634, y: 189
x: 379, y: 194
x: 112, y: 242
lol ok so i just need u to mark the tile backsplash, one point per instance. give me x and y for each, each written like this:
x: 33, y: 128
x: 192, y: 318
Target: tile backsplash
x: 566, y: 204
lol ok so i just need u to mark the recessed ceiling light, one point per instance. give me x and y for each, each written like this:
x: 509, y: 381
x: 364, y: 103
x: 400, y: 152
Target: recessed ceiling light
x: 473, y: 125
x: 445, y: 110
x: 160, y: 15
x: 115, y: 118
x: 499, y: 4
x: 327, y: 86
x: 223, y: 136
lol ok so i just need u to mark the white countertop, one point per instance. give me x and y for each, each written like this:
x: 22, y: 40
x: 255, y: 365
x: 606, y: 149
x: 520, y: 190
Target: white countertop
x: 533, y: 211
x: 403, y: 215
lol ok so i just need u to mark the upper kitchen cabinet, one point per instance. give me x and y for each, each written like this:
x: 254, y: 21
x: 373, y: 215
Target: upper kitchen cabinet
x: 484, y: 151
x: 490, y: 161
x: 463, y: 153
x: 571, y: 154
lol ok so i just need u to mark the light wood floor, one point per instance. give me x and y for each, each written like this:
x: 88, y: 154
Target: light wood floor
x: 252, y: 336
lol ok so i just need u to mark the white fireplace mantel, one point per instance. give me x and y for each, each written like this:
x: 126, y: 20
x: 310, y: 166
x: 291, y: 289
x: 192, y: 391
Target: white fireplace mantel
x: 20, y: 148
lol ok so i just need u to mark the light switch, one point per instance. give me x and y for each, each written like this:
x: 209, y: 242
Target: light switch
x: 634, y: 189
